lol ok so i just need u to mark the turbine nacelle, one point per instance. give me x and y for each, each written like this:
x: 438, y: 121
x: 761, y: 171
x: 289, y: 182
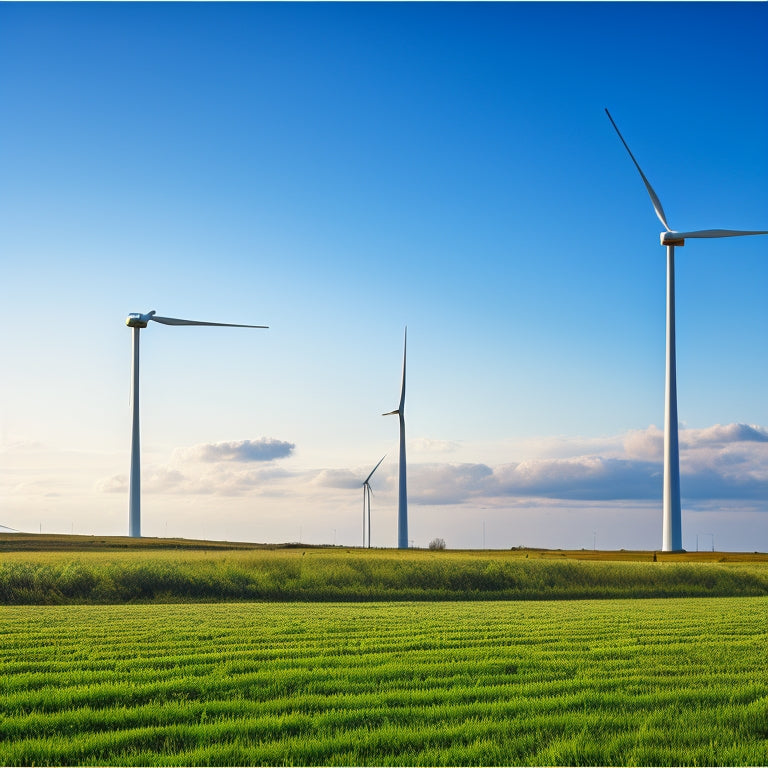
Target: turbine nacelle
x: 137, y: 320
x: 672, y: 238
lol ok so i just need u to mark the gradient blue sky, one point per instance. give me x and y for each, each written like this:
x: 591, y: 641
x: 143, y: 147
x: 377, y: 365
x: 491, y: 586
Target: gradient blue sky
x: 338, y: 171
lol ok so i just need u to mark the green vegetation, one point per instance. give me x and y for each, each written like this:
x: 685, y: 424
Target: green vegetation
x: 665, y: 682
x: 122, y: 574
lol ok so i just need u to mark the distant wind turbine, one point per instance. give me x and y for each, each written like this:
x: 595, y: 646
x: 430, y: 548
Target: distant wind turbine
x: 367, y: 493
x: 402, y: 496
x: 672, y: 536
x: 138, y: 321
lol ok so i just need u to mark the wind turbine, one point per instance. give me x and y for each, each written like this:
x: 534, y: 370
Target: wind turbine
x: 672, y: 535
x: 367, y: 493
x: 402, y: 495
x: 138, y: 321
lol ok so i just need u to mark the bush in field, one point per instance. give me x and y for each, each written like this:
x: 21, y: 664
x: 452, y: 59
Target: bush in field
x: 437, y: 543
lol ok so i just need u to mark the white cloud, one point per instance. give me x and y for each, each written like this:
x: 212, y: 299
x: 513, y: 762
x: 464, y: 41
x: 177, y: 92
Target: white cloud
x: 448, y: 483
x: 646, y: 444
x: 724, y: 461
x: 264, y: 449
x: 584, y: 477
x: 721, y: 434
x: 225, y: 469
x: 113, y: 484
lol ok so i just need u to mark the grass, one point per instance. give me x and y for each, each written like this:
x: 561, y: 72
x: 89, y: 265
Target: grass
x: 620, y: 682
x: 113, y: 571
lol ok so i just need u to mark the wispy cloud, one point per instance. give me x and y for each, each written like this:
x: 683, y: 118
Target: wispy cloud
x: 427, y: 445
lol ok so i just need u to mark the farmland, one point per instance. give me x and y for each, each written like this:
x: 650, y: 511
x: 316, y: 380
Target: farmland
x: 676, y: 681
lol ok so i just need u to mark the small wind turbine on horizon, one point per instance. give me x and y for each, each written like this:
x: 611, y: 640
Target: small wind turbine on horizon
x: 367, y: 493
x: 402, y: 495
x: 672, y: 535
x: 137, y: 321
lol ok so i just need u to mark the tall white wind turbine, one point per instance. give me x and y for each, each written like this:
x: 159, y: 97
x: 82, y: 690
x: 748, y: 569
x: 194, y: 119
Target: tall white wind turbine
x: 402, y: 495
x: 138, y: 321
x: 367, y: 497
x: 672, y: 535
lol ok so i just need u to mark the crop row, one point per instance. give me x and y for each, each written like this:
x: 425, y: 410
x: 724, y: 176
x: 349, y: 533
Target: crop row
x: 596, y: 682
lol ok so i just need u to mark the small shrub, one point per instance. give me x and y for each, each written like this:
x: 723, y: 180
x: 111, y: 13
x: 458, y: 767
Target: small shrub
x: 437, y: 543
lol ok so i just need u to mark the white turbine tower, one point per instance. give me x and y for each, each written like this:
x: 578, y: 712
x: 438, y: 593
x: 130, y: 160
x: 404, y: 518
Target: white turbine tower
x: 138, y: 321
x: 672, y: 536
x: 402, y: 495
x: 367, y: 497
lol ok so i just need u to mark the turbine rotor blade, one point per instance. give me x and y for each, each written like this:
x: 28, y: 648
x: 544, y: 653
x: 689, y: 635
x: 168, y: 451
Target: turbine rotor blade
x: 402, y: 389
x: 391, y: 413
x: 375, y: 468
x: 654, y: 197
x: 177, y: 321
x: 720, y: 233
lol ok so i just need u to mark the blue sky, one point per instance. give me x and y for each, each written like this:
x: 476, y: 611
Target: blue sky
x: 339, y: 171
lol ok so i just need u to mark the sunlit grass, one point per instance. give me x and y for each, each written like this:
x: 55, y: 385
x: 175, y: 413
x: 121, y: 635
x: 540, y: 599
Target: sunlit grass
x: 121, y: 574
x: 673, y: 682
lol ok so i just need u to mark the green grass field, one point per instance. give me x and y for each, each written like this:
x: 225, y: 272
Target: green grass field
x: 78, y: 570
x: 599, y: 682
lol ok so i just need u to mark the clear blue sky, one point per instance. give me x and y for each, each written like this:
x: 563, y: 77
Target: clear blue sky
x: 337, y: 171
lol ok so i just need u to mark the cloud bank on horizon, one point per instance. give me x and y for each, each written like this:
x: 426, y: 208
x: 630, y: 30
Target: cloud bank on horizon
x: 552, y: 491
x: 719, y: 462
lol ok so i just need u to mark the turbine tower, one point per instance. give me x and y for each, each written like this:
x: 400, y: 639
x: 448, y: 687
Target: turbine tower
x: 672, y: 535
x: 367, y: 494
x: 402, y: 495
x: 138, y: 321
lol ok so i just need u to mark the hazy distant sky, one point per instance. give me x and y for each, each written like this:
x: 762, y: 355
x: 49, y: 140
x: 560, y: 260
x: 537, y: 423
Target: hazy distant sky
x: 340, y: 171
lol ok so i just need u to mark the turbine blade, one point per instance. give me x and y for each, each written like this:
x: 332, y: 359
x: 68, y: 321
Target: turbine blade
x: 391, y: 413
x: 177, y: 321
x: 720, y: 233
x: 654, y: 197
x: 374, y: 469
x: 402, y: 389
